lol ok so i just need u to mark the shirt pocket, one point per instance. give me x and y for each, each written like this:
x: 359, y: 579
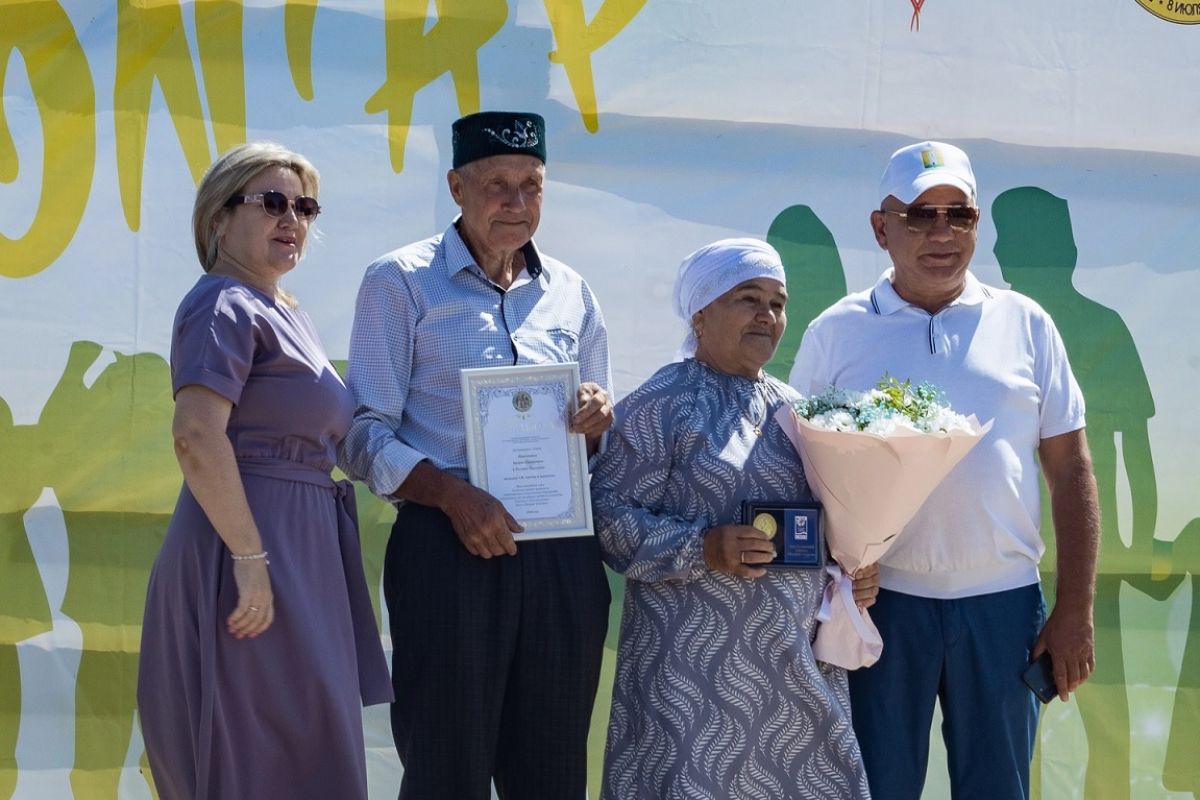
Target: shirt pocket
x: 565, y: 343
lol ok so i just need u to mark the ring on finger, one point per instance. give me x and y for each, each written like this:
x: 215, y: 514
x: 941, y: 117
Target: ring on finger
x: 253, y: 608
x: 742, y: 556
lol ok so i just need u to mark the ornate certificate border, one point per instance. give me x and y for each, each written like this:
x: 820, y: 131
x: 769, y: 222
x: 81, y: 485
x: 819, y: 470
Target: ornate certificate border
x: 559, y: 383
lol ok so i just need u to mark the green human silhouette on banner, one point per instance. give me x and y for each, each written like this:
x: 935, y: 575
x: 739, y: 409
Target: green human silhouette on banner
x: 1035, y: 248
x: 116, y: 480
x: 1181, y: 769
x: 814, y: 273
x: 24, y: 609
x: 375, y: 518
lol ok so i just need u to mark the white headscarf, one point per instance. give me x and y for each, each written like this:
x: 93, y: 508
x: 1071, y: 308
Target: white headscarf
x: 716, y: 268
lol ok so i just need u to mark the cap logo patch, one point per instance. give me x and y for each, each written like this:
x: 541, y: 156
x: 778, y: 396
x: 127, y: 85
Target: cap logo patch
x: 932, y: 158
x: 522, y: 135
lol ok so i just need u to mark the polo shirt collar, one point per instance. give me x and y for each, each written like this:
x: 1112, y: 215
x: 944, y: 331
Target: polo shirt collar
x: 458, y: 255
x: 885, y: 300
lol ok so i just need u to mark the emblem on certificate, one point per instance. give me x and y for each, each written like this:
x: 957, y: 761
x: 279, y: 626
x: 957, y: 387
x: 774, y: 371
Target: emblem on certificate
x: 793, y: 528
x: 520, y: 451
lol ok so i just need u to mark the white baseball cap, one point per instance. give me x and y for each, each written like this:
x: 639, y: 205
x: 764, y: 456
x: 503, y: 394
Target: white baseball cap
x: 918, y: 167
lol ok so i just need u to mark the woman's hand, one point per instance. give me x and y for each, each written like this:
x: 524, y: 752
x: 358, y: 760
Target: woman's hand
x: 255, y: 609
x: 211, y: 471
x: 866, y: 585
x: 737, y: 549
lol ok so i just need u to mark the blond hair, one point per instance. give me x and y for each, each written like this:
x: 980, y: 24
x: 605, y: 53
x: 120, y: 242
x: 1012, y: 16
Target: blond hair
x: 227, y: 176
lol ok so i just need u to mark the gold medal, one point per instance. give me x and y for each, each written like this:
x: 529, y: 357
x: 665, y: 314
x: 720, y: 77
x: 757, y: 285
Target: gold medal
x: 766, y: 523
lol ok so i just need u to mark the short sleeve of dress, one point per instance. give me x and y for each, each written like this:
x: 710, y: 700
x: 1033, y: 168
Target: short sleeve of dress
x: 215, y: 338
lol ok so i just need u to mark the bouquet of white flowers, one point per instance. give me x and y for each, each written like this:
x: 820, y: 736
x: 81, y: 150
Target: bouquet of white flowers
x: 887, y: 409
x: 871, y: 458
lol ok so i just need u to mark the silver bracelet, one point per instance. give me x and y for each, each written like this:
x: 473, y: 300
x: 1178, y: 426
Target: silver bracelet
x: 251, y: 557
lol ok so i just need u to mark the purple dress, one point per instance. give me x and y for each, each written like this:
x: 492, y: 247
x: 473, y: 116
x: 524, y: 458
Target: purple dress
x: 279, y: 715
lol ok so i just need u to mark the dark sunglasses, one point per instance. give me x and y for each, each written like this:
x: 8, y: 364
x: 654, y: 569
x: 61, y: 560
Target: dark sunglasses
x: 920, y: 219
x: 276, y: 204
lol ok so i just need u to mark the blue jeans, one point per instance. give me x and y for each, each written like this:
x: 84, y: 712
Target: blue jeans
x: 968, y: 654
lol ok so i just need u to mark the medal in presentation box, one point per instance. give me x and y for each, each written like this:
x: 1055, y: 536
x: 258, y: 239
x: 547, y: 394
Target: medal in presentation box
x: 795, y: 529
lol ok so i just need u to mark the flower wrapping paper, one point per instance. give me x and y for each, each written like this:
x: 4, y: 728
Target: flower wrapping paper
x: 870, y: 487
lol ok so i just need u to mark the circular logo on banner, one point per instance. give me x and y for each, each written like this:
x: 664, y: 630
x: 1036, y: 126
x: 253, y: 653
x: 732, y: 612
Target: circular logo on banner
x: 522, y: 401
x: 1184, y: 13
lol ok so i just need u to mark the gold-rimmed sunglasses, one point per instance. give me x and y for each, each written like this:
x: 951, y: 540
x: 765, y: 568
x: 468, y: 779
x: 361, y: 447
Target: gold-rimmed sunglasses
x: 920, y: 219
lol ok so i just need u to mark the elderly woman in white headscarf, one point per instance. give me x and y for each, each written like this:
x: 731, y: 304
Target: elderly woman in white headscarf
x: 717, y: 693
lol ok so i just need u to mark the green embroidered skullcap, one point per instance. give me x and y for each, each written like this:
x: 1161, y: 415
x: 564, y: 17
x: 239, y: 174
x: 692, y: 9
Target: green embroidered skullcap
x: 499, y: 133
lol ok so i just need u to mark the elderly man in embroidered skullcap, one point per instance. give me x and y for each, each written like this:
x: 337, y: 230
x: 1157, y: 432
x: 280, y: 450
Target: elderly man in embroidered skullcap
x: 961, y: 610
x: 496, y: 647
x: 717, y: 691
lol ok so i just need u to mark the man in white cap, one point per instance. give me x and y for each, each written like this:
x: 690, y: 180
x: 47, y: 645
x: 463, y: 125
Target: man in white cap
x: 961, y: 609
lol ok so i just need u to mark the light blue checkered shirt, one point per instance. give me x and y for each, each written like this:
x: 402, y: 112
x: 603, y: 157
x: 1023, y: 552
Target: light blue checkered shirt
x: 426, y: 311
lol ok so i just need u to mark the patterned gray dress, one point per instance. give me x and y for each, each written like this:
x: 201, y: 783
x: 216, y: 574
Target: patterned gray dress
x: 717, y: 693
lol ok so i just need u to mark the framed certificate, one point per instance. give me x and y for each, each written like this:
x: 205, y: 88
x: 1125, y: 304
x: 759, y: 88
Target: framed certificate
x: 794, y: 528
x: 520, y: 451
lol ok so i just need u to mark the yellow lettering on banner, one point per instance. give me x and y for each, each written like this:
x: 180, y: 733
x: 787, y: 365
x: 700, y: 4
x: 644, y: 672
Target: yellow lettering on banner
x: 219, y: 37
x: 299, y: 16
x: 66, y: 100
x: 151, y: 46
x: 416, y: 58
x: 577, y: 40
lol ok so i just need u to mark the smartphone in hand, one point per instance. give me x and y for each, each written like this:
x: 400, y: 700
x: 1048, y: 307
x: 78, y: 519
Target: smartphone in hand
x: 1039, y: 677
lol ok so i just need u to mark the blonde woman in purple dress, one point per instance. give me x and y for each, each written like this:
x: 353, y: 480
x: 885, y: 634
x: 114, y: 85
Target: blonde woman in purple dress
x: 259, y: 644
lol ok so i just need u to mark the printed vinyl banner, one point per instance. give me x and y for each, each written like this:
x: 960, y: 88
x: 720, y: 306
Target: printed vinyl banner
x: 671, y: 123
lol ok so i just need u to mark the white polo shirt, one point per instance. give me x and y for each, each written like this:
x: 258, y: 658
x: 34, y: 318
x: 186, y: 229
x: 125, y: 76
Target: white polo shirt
x: 996, y: 354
